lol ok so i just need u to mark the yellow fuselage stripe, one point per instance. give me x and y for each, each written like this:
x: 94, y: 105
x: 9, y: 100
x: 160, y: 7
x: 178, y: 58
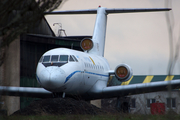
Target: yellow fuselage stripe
x: 169, y: 77
x: 148, y: 79
x: 127, y: 82
x: 92, y: 60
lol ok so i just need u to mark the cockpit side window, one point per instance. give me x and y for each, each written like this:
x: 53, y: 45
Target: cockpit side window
x: 46, y: 58
x: 71, y: 59
x: 75, y: 58
x: 63, y: 58
x: 54, y: 58
x: 41, y: 59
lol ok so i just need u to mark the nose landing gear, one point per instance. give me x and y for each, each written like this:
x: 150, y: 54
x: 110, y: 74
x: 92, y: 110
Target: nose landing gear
x: 58, y: 95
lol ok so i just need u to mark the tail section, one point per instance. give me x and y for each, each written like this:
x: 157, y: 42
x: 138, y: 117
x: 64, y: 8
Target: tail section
x: 100, y: 26
x: 99, y: 32
x: 101, y: 21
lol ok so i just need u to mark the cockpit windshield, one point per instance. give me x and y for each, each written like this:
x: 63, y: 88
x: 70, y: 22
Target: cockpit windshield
x: 54, y: 58
x: 63, y: 58
x: 46, y: 58
x: 57, y: 60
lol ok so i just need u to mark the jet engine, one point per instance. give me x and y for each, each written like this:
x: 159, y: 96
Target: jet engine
x: 123, y: 72
x: 86, y: 44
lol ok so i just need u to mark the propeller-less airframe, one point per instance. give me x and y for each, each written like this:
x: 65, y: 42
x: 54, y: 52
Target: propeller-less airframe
x: 65, y: 72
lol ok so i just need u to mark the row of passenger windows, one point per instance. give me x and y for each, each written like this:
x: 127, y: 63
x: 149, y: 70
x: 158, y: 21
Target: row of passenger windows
x: 92, y: 66
x: 58, y: 58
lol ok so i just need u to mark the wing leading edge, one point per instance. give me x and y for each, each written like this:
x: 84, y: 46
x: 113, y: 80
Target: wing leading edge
x: 108, y: 11
x: 25, y: 92
x: 115, y: 91
x: 106, y: 92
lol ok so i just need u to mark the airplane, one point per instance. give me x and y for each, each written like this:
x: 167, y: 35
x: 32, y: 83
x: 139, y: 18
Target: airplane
x: 84, y: 75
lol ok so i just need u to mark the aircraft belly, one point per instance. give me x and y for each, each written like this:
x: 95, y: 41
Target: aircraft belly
x: 91, y: 78
x: 84, y: 83
x: 73, y: 86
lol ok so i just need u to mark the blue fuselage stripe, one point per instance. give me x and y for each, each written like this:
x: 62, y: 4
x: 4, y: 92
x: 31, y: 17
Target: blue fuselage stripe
x: 85, y: 72
x: 38, y: 79
x: 71, y: 75
x: 97, y: 74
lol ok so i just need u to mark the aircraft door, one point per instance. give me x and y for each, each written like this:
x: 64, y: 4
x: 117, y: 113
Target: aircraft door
x: 82, y: 72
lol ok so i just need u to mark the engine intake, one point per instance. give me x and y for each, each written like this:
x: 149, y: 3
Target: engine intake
x: 123, y: 72
x: 86, y: 44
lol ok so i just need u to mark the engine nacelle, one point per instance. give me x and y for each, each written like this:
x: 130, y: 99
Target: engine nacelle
x: 123, y: 72
x: 86, y: 44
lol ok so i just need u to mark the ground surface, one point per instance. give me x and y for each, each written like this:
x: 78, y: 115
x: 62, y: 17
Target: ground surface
x: 59, y: 106
x: 71, y: 109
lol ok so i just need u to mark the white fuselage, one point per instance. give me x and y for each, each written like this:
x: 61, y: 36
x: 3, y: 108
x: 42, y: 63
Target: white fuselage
x: 75, y: 75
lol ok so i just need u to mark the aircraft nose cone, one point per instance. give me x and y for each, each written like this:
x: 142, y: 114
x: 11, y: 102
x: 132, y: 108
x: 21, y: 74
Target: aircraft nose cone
x: 52, y: 78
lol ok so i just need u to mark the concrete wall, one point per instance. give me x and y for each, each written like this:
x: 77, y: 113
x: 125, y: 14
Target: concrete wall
x: 10, y: 69
x: 161, y: 97
x: 97, y: 103
x: 10, y: 75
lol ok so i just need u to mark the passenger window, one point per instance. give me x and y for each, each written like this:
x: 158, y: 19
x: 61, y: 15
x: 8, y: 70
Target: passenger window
x: 75, y: 58
x: 46, y: 58
x: 63, y: 58
x: 71, y: 59
x: 54, y: 58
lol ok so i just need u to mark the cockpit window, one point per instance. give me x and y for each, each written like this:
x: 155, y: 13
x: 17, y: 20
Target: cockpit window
x: 46, y: 58
x: 71, y: 59
x: 63, y: 58
x: 75, y: 58
x: 41, y: 59
x: 54, y: 58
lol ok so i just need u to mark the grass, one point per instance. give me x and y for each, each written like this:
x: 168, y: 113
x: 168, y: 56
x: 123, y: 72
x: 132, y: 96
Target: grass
x: 93, y: 117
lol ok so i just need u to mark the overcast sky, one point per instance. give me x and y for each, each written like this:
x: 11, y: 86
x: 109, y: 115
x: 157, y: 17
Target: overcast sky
x: 140, y: 40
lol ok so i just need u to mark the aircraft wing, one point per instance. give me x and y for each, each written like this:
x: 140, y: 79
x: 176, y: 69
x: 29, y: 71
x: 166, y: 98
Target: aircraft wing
x: 124, y: 90
x: 106, y: 92
x: 108, y: 11
x: 25, y: 92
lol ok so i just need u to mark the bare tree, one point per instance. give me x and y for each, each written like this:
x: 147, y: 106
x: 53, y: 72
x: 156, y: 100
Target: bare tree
x: 173, y: 46
x: 19, y: 15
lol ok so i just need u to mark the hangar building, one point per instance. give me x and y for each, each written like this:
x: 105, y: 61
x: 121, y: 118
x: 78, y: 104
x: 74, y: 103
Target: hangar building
x: 22, y: 56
